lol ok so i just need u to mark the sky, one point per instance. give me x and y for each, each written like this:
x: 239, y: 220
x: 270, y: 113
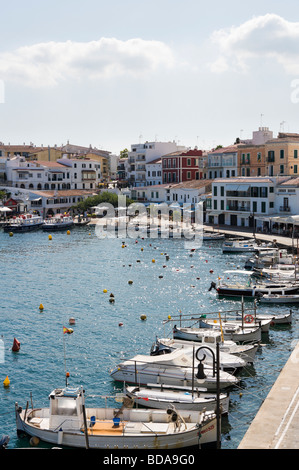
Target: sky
x: 115, y: 73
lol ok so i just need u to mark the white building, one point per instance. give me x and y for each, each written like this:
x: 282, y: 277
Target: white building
x: 153, y: 172
x: 242, y: 201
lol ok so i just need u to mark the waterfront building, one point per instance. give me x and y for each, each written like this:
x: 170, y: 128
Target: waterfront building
x: 241, y: 201
x: 282, y: 155
x: 223, y: 162
x: 181, y: 166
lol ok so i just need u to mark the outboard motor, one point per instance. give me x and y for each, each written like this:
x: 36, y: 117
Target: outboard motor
x: 4, y: 440
x: 212, y: 286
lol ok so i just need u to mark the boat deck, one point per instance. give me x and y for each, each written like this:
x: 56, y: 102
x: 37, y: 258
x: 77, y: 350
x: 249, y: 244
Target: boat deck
x: 276, y: 425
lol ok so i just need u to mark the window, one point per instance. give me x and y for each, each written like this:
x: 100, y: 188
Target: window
x: 215, y: 204
x: 254, y: 206
x: 271, y: 189
x: 258, y: 172
x: 271, y: 205
x: 263, y: 207
x: 295, y: 168
x: 215, y: 190
x: 222, y: 204
x: 188, y: 161
x: 295, y: 153
x: 221, y: 190
x: 259, y: 156
x: 189, y: 175
x: 281, y: 169
x: 281, y: 153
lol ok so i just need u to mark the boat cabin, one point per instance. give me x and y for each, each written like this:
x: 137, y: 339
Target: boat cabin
x: 66, y: 408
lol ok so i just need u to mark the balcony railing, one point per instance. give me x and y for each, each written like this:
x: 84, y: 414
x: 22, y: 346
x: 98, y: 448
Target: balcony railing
x: 284, y: 209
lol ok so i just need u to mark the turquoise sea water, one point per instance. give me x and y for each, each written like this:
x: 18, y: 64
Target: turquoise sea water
x: 68, y: 274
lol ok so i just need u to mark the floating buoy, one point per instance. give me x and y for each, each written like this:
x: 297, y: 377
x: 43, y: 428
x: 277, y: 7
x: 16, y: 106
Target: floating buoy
x: 111, y: 298
x: 6, y: 381
x: 142, y: 317
x: 240, y: 394
x: 50, y: 237
x: 67, y: 374
x: 105, y: 291
x: 16, y: 345
x: 211, y: 271
x: 11, y: 234
x: 120, y: 324
x: 138, y: 261
x: 160, y: 277
x: 169, y: 317
x: 141, y: 249
x: 72, y: 321
x: 41, y: 307
x: 130, y: 282
x: 34, y: 441
x: 153, y: 260
x: 68, y: 232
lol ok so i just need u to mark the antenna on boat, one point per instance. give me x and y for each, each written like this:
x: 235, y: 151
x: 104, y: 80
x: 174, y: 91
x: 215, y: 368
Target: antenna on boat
x: 68, y: 331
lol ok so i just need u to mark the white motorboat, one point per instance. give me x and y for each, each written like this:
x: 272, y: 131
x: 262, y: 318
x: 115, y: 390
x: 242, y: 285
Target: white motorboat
x: 58, y: 222
x: 66, y: 422
x: 230, y: 331
x: 228, y: 362
x: 80, y: 220
x: 208, y: 337
x: 239, y: 246
x: 263, y: 260
x: 210, y: 236
x: 159, y: 396
x: 254, y: 289
x: 279, y: 299
x: 175, y: 368
x: 24, y: 223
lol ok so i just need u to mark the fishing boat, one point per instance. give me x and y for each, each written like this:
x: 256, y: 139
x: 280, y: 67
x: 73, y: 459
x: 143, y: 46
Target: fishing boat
x: 24, y: 223
x: 66, y: 422
x: 175, y: 368
x: 248, y: 321
x: 279, y: 298
x: 210, y: 338
x: 276, y: 319
x: 183, y: 398
x: 58, y: 222
x: 233, y: 332
x: 239, y: 246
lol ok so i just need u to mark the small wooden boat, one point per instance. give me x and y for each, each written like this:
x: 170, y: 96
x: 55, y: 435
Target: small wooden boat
x: 159, y: 396
x: 67, y: 422
x: 230, y: 331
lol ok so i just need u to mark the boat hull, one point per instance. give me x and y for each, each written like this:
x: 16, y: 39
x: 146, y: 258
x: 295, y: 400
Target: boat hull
x: 195, y: 435
x: 243, y: 335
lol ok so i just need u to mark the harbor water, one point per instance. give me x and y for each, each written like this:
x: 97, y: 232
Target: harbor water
x: 68, y: 276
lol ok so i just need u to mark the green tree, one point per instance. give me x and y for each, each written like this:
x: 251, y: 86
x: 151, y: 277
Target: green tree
x: 124, y: 153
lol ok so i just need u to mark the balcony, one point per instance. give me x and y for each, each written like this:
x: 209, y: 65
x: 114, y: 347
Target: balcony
x: 284, y: 209
x: 237, y: 208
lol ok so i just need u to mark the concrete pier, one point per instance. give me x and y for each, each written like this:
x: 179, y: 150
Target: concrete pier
x: 276, y: 425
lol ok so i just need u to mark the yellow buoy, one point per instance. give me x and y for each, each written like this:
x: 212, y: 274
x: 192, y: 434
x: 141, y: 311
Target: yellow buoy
x: 68, y: 232
x: 50, y: 237
x: 10, y: 234
x: 105, y: 291
x: 141, y: 249
x: 41, y: 307
x: 153, y: 260
x: 6, y: 381
x: 169, y: 317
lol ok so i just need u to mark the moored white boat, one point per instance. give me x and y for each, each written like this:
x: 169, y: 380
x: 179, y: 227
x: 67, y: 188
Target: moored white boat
x: 80, y: 220
x: 24, y: 223
x: 66, y: 422
x: 279, y: 298
x: 239, y: 246
x: 58, y: 222
x: 210, y: 236
x: 158, y: 396
x: 175, y: 368
x: 209, y: 337
x: 230, y: 331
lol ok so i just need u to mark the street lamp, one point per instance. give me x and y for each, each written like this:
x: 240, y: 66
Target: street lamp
x: 201, y: 375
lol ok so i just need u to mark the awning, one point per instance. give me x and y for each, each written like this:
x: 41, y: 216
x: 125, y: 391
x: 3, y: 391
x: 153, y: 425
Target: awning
x: 215, y: 213
x: 232, y: 187
x: 5, y: 209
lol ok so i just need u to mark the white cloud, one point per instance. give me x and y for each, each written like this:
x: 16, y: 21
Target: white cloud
x: 47, y: 64
x: 263, y: 37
